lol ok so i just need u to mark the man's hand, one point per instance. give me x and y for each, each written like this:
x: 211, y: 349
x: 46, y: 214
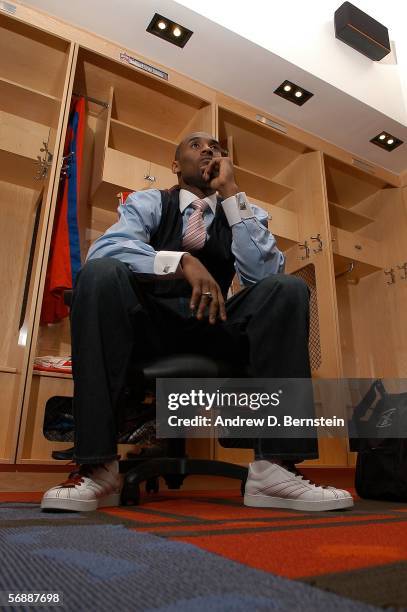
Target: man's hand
x: 219, y: 175
x: 202, y: 282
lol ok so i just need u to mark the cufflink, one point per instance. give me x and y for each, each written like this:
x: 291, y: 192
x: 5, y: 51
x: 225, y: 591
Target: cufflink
x: 166, y: 269
x: 241, y: 201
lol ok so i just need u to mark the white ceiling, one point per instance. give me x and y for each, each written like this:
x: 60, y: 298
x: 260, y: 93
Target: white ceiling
x: 230, y: 63
x: 303, y: 34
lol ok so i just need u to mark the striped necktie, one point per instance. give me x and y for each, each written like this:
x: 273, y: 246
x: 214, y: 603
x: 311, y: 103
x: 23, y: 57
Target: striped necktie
x: 195, y: 233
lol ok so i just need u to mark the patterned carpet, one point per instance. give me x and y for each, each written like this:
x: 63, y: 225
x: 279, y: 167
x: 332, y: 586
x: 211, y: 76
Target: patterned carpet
x: 197, y: 550
x: 361, y: 553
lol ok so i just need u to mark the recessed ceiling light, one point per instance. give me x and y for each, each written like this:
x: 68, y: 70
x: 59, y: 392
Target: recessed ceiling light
x: 386, y: 141
x: 294, y: 93
x: 169, y: 30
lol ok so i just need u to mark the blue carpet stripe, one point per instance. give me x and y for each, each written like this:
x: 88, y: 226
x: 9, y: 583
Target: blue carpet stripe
x: 107, y: 567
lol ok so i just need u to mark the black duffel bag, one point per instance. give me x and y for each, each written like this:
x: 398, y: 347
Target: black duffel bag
x: 381, y: 466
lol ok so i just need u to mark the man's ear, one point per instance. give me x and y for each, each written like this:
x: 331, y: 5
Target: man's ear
x: 175, y: 166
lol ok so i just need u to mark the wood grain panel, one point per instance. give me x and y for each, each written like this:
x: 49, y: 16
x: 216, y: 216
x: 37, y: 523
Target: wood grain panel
x: 31, y: 57
x: 18, y: 205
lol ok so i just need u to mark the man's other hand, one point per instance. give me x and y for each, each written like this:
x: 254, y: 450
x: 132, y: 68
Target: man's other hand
x: 203, y: 283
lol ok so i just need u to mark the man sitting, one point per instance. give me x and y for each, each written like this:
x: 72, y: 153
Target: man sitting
x: 188, y: 242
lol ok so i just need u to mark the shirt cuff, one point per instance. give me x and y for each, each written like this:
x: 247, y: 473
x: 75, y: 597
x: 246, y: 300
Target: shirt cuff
x: 235, y: 211
x: 167, y: 262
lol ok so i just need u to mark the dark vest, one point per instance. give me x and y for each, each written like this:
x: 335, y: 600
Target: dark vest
x: 216, y: 255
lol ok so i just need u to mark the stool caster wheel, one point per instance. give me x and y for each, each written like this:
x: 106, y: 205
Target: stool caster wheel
x: 152, y: 485
x: 130, y: 495
x: 174, y: 481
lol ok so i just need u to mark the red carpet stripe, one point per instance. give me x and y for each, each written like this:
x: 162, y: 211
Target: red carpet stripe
x: 136, y: 515
x: 266, y: 526
x: 203, y: 510
x: 315, y: 552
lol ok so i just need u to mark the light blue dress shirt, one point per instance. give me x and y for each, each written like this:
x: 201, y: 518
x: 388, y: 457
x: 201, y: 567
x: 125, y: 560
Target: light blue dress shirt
x: 254, y: 247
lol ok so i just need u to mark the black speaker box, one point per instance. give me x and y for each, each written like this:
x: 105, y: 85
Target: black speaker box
x: 362, y: 32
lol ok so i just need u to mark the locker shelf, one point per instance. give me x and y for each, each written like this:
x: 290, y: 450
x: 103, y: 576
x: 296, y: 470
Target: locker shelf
x: 27, y: 102
x: 347, y: 219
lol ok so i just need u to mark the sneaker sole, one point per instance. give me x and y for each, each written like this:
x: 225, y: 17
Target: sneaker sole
x: 84, y: 505
x: 266, y: 501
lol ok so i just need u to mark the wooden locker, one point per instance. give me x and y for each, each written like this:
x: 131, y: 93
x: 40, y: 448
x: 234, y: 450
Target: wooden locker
x: 34, y: 73
x: 286, y: 178
x: 369, y: 222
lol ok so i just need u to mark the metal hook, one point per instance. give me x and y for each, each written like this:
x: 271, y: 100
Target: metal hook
x: 317, y: 238
x: 351, y: 266
x: 66, y: 166
x: 403, y: 267
x: 352, y: 281
x: 43, y: 162
x: 305, y: 246
x: 392, y: 276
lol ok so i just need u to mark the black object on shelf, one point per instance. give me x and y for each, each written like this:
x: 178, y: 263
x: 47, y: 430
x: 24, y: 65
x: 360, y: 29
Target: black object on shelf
x: 58, y: 419
x: 63, y: 455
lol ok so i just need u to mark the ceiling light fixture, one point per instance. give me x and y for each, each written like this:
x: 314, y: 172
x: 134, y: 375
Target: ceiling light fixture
x: 386, y: 141
x: 294, y: 93
x: 169, y: 30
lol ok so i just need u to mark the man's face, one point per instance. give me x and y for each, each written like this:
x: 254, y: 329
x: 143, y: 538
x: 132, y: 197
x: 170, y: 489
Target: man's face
x: 195, y: 152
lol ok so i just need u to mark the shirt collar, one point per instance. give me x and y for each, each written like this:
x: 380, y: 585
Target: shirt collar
x: 187, y: 197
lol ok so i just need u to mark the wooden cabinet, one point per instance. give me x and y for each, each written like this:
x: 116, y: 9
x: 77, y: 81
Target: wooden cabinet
x: 369, y: 239
x: 287, y: 178
x: 34, y: 75
x: 136, y: 124
x: 343, y: 230
x: 368, y: 226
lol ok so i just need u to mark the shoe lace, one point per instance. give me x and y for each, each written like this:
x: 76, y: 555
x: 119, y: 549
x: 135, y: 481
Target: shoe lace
x: 291, y: 467
x: 78, y: 475
x: 81, y: 472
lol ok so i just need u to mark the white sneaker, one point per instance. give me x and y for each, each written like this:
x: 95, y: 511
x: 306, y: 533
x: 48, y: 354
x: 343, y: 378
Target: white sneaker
x: 87, y: 489
x: 270, y: 485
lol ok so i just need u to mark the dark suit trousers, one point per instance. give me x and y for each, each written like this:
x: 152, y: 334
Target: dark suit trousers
x: 114, y: 321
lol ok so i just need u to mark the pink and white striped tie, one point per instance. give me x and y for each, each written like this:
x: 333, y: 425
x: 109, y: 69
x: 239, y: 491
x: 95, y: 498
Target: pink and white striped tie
x: 195, y: 233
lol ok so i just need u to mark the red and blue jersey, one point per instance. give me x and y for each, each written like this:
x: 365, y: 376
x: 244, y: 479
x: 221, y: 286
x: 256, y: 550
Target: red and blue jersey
x: 65, y: 256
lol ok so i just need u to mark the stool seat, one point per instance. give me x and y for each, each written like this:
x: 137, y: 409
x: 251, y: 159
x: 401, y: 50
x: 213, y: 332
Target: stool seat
x: 187, y: 365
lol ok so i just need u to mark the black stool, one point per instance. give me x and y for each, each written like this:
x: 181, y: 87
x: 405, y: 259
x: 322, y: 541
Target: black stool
x: 176, y: 466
